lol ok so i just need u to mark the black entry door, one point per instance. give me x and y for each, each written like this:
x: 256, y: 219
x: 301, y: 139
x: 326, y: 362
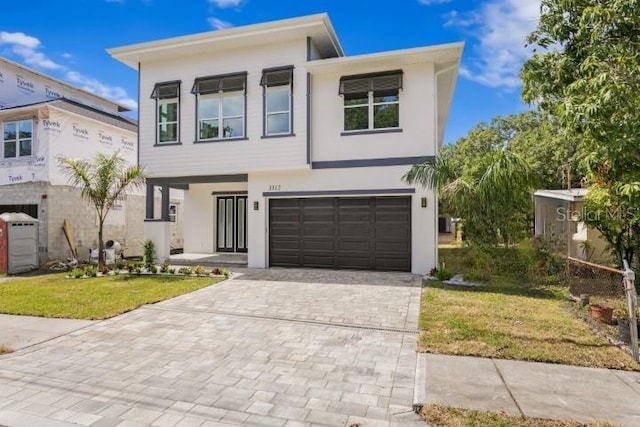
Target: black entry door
x: 231, y: 234
x: 369, y: 233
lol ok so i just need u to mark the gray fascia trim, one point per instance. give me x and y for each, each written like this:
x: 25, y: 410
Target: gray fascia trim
x: 308, y: 117
x: 338, y: 192
x: 364, y: 163
x: 198, y: 179
x: 138, y: 132
x: 229, y: 193
x: 370, y: 132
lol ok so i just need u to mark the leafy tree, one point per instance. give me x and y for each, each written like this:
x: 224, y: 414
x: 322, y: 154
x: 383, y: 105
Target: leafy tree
x: 587, y: 76
x: 102, y: 183
x: 493, y: 197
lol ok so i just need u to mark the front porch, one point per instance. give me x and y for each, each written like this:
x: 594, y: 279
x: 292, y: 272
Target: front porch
x: 210, y: 260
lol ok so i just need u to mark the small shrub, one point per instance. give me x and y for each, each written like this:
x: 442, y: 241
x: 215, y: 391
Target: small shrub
x: 76, y: 273
x: 433, y: 271
x: 164, y: 267
x: 172, y: 271
x: 121, y: 264
x: 152, y: 269
x: 90, y: 271
x: 217, y: 271
x: 185, y: 270
x: 443, y: 274
x: 200, y: 270
x: 148, y: 252
x: 137, y: 270
x: 116, y: 272
x: 226, y: 273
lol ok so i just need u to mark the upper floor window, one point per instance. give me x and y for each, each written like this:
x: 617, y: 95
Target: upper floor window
x: 278, y: 99
x: 220, y: 104
x: 173, y: 213
x: 17, y: 138
x: 167, y: 96
x: 371, y: 101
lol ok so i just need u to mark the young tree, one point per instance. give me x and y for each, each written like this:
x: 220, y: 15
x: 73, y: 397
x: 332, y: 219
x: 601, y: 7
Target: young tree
x: 102, y: 183
x: 493, y: 199
x: 587, y: 76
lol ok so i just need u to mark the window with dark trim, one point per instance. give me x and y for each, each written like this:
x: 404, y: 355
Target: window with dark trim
x: 173, y: 213
x: 220, y: 107
x: 167, y: 96
x: 277, y: 84
x: 17, y: 139
x: 371, y: 101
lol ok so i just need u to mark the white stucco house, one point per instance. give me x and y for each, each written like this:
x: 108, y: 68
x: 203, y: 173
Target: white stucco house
x: 288, y: 149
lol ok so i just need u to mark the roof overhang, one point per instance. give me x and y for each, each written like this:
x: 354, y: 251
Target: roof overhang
x: 573, y: 195
x: 318, y: 27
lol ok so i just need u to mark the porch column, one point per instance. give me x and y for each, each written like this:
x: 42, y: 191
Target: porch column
x: 149, y: 199
x: 165, y: 203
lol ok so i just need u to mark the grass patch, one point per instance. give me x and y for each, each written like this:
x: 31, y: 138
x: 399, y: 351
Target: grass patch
x: 511, y: 318
x: 442, y: 416
x: 53, y: 295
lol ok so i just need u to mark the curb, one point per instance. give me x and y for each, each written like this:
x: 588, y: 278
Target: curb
x: 420, y: 384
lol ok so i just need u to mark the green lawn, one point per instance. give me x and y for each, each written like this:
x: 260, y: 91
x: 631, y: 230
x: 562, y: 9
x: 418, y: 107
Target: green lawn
x: 442, y: 416
x: 511, y: 319
x: 53, y: 295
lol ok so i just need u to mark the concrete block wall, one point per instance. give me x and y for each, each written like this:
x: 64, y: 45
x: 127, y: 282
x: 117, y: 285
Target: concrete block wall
x: 66, y: 202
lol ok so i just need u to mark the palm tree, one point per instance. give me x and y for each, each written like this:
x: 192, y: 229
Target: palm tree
x: 103, y: 182
x: 493, y: 199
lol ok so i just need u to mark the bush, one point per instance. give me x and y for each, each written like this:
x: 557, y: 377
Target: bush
x: 200, y: 270
x: 443, y: 274
x: 90, y: 271
x: 217, y: 271
x: 152, y: 269
x: 148, y: 252
x: 137, y: 270
x: 164, y: 267
x: 172, y: 271
x: 185, y: 270
x: 76, y: 273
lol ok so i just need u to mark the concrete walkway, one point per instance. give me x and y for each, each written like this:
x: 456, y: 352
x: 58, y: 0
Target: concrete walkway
x: 17, y: 332
x: 268, y: 348
x: 532, y: 389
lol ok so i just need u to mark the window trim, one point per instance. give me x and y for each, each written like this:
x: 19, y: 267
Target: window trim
x: 265, y: 90
x: 220, y: 93
x: 18, y: 139
x: 175, y: 215
x: 368, y: 82
x: 177, y: 100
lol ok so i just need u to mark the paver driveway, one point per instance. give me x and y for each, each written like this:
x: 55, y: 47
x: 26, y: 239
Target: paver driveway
x: 270, y: 347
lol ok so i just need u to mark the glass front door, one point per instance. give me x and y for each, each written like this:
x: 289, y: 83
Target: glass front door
x: 232, y: 224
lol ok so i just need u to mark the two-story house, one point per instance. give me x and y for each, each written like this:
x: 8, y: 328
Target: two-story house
x: 289, y: 150
x: 43, y: 119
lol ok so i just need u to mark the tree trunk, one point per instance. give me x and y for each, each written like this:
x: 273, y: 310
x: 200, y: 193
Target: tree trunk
x: 101, y: 260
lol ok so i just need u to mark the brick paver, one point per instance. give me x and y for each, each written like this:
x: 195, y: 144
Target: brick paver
x: 271, y: 347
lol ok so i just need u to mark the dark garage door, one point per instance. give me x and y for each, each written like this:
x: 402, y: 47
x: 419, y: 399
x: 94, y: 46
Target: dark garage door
x: 368, y: 233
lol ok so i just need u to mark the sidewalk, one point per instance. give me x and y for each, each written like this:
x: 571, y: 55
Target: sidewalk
x: 532, y: 389
x: 18, y: 332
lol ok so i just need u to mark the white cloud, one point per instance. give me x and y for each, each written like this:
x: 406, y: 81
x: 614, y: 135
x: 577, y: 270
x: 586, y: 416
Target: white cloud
x: 67, y: 55
x: 219, y: 24
x: 19, y: 39
x: 500, y: 28
x: 27, y: 47
x: 115, y: 93
x: 225, y: 3
x: 430, y: 2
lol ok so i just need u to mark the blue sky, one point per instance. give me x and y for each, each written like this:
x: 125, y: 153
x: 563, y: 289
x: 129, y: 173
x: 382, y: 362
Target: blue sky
x: 67, y: 39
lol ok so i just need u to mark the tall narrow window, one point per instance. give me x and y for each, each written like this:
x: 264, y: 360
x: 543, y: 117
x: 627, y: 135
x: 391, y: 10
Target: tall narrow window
x: 220, y: 103
x: 371, y: 101
x: 167, y: 96
x: 17, y: 139
x: 278, y: 100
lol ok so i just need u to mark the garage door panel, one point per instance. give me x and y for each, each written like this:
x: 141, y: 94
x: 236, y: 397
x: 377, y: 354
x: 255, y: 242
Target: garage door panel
x: 354, y: 232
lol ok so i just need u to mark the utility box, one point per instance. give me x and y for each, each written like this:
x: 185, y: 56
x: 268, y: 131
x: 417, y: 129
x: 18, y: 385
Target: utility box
x: 18, y: 243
